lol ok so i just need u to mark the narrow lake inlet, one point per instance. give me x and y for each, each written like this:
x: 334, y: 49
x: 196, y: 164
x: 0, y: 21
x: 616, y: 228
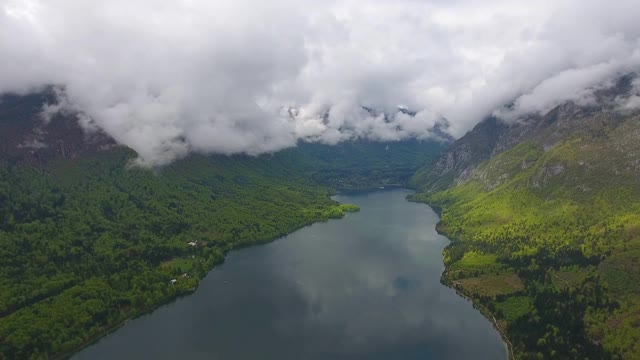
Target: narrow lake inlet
x: 363, y: 287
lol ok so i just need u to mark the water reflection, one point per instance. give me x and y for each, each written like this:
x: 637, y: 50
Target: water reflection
x: 364, y: 287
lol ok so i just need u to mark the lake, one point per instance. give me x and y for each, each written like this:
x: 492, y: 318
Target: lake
x: 363, y: 287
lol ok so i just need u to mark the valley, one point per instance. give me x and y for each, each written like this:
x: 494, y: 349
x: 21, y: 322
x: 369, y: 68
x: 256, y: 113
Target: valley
x: 311, y: 180
x: 88, y: 240
x: 543, y: 215
x: 366, y: 285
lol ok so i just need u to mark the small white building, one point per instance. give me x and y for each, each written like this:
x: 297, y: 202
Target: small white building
x: 173, y: 281
x: 193, y: 243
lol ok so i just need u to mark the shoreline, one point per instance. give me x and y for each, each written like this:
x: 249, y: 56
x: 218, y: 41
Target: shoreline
x: 372, y: 188
x: 443, y: 280
x: 460, y: 292
x: 484, y: 311
x: 94, y: 339
x: 226, y: 250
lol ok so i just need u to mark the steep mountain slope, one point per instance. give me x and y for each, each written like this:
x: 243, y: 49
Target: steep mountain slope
x: 88, y: 241
x: 545, y: 219
x: 492, y: 136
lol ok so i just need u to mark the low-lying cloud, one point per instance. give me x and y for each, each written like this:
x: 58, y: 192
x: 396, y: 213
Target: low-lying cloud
x: 169, y: 77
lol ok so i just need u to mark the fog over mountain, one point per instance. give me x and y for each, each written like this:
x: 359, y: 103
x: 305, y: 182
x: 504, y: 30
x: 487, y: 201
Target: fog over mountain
x: 168, y: 77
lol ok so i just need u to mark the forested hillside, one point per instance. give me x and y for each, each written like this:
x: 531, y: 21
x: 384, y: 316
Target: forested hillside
x: 87, y: 240
x: 86, y: 245
x: 546, y: 229
x: 362, y: 164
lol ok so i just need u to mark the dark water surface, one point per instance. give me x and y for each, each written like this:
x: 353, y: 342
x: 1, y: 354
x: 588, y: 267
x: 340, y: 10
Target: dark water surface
x: 363, y: 287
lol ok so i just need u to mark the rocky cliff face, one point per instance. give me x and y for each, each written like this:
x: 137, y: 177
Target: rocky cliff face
x: 25, y: 135
x: 493, y: 137
x: 462, y: 156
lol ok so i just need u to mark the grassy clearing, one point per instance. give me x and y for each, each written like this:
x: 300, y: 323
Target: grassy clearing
x: 476, y: 260
x: 491, y: 285
x: 621, y: 273
x: 569, y: 278
x: 180, y: 265
x: 514, y: 307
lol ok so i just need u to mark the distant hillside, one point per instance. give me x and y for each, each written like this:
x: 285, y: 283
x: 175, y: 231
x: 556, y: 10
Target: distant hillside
x: 26, y: 138
x: 362, y: 164
x: 545, y: 214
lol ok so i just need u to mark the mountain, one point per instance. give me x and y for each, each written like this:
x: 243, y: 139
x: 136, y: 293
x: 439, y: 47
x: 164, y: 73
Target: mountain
x: 544, y: 214
x: 25, y: 137
x: 88, y: 241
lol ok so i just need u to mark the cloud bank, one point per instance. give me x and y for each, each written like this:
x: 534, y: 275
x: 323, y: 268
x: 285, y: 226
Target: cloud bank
x: 169, y: 77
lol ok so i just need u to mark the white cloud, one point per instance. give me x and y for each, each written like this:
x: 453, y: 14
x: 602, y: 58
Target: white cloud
x: 170, y: 77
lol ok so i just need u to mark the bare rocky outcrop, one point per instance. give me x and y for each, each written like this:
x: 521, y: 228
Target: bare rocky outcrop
x: 26, y: 137
x: 493, y: 136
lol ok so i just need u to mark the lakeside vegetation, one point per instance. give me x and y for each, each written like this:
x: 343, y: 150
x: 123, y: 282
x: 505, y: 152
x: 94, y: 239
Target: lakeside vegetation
x: 86, y: 245
x: 547, y: 240
x: 88, y: 241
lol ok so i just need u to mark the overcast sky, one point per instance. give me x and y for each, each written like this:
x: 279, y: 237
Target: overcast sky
x: 167, y: 77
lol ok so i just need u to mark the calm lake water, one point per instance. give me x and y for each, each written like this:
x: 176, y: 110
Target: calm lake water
x: 362, y: 287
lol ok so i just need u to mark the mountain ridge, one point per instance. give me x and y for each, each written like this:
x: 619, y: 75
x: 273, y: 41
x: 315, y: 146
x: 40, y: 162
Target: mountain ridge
x: 493, y: 135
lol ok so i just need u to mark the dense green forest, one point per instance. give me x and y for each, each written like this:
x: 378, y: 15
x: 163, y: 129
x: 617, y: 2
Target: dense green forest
x: 88, y: 241
x: 546, y: 242
x: 85, y: 245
